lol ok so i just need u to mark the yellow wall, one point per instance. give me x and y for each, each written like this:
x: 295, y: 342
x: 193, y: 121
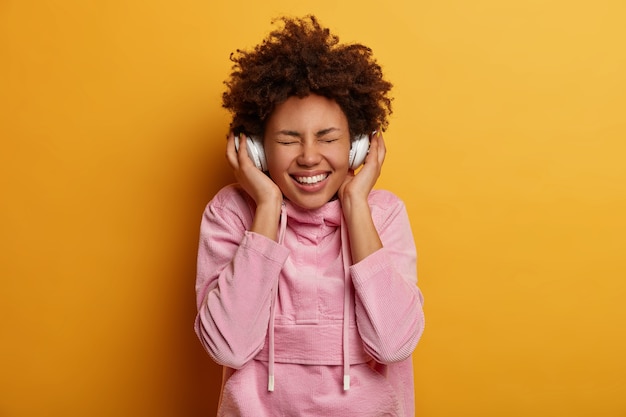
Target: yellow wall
x: 507, y: 144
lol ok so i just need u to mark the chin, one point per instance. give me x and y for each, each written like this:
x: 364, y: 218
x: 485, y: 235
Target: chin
x: 310, y: 203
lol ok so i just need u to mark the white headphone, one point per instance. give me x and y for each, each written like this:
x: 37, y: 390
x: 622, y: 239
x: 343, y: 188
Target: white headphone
x: 358, y: 151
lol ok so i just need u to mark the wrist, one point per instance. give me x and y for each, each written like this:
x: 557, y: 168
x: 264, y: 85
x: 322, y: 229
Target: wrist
x: 353, y: 205
x: 269, y: 209
x: 266, y: 218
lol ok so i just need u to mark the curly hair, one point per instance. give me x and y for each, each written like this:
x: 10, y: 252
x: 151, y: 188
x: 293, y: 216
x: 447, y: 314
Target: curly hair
x: 300, y: 59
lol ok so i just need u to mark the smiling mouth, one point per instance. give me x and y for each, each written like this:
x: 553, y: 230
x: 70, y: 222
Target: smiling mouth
x: 312, y: 179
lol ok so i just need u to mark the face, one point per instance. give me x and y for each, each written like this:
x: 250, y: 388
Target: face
x: 307, y: 146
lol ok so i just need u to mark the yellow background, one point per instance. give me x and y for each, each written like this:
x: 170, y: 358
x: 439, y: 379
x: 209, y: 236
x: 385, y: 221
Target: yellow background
x: 507, y: 143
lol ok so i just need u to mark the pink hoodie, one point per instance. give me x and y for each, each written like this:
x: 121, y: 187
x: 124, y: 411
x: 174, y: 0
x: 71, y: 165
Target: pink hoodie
x: 342, y: 335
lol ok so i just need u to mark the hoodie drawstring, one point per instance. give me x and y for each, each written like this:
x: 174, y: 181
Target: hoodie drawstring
x: 281, y: 238
x: 345, y: 255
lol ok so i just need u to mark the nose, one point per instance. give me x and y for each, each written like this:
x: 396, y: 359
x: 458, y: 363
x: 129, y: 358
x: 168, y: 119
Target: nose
x: 309, y: 154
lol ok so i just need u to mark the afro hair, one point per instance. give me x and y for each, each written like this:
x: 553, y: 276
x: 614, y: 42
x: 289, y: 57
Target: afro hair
x: 302, y: 58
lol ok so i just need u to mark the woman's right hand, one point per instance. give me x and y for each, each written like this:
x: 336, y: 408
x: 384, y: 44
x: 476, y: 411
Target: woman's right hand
x: 258, y: 185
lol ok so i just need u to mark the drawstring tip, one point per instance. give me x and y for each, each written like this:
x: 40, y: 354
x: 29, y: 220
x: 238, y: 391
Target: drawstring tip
x: 270, y: 383
x: 346, y: 382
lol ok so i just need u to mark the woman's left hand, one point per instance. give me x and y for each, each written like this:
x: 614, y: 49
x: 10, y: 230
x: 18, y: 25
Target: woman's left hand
x: 353, y: 193
x: 358, y: 186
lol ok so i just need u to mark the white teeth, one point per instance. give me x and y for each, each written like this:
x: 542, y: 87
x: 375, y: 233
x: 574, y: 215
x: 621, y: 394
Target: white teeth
x: 311, y: 180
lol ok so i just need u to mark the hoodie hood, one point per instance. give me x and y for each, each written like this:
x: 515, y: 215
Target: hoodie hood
x: 313, y: 225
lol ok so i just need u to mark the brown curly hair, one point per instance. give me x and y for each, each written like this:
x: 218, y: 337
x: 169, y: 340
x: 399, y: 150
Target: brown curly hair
x: 300, y: 59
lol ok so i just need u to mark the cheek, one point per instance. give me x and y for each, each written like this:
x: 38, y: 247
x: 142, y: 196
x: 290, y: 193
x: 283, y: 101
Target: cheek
x: 340, y: 160
x: 277, y: 164
x: 274, y: 159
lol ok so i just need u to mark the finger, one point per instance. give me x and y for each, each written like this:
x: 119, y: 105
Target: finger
x: 377, y: 148
x: 243, y: 150
x: 382, y: 149
x: 231, y: 153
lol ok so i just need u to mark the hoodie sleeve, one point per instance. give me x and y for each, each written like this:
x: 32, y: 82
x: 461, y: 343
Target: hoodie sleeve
x: 237, y: 271
x: 389, y: 310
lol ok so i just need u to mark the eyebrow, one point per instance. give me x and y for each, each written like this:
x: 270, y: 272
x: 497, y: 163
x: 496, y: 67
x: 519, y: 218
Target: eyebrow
x: 318, y: 134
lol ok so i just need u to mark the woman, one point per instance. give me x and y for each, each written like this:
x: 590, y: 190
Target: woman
x: 306, y: 285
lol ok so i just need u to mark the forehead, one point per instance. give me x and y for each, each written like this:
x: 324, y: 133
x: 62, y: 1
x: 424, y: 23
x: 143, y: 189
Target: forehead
x: 310, y: 112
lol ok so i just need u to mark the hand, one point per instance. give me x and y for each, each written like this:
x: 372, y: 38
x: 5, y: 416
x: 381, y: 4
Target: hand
x: 359, y: 186
x: 353, y: 193
x: 260, y: 187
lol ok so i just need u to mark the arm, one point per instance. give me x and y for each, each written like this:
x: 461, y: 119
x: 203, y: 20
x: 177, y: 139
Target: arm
x: 237, y: 271
x: 388, y: 302
x: 238, y: 263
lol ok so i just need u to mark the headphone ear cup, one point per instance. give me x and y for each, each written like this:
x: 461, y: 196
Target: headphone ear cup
x: 256, y: 152
x: 358, y: 151
x: 254, y: 146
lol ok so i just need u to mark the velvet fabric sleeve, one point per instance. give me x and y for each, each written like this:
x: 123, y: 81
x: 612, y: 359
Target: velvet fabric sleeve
x: 237, y: 272
x: 388, y: 303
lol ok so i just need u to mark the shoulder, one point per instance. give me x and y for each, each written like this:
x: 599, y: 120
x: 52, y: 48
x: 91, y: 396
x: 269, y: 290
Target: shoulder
x: 231, y: 195
x: 231, y: 200
x: 384, y: 200
x: 385, y: 205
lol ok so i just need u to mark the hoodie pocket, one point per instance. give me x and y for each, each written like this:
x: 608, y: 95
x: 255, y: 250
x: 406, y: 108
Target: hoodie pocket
x: 372, y: 393
x: 308, y: 390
